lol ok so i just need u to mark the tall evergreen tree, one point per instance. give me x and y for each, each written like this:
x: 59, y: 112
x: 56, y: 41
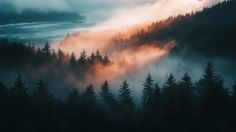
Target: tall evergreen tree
x: 169, y: 104
x: 106, y: 94
x: 92, y: 58
x: 46, y: 51
x: 83, y: 58
x: 185, y: 91
x: 89, y: 94
x: 106, y: 60
x: 185, y: 100
x: 125, y: 98
x: 148, y: 88
x: 73, y: 62
x: 170, y: 85
x: 41, y: 95
x: 74, y: 97
x: 60, y: 57
x: 98, y: 56
x: 19, y: 89
x: 213, y: 98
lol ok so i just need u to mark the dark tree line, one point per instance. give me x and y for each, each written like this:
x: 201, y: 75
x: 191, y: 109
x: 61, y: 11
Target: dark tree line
x: 19, y: 55
x: 176, y: 106
x: 47, y: 63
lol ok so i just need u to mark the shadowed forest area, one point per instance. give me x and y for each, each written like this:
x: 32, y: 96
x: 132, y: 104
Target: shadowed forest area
x: 178, y: 105
x: 45, y: 98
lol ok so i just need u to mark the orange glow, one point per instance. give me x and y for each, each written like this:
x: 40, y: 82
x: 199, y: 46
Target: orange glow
x: 127, y: 63
x: 97, y: 40
x: 127, y: 59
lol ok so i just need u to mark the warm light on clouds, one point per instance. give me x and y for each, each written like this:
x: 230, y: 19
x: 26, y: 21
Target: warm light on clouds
x: 146, y: 12
x: 128, y: 59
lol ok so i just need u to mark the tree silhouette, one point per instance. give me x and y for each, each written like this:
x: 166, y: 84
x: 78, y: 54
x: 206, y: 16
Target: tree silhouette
x: 185, y: 93
x: 107, y: 96
x: 106, y: 60
x: 169, y: 104
x: 19, y: 90
x: 125, y: 98
x: 73, y: 62
x: 83, y: 58
x: 214, y: 98
x: 89, y: 94
x: 61, y: 57
x: 41, y: 96
x: 74, y: 97
x: 148, y: 88
x: 185, y: 100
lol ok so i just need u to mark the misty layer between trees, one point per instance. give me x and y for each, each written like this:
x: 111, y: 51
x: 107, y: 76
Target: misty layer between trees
x: 45, y: 95
x: 183, y: 105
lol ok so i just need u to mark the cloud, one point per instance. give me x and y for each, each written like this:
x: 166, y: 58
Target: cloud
x: 41, y: 5
x: 161, y: 9
x: 111, y: 10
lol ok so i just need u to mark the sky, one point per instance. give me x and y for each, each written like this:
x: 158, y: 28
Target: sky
x: 111, y: 12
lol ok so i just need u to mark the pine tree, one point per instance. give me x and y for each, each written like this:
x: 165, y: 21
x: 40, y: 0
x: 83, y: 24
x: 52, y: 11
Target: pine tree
x: 92, y: 58
x: 211, y: 85
x: 107, y: 95
x: 73, y: 62
x: 106, y: 60
x: 41, y: 94
x: 185, y: 88
x: 89, y: 93
x: 170, y: 85
x: 74, y: 97
x: 19, y: 90
x: 147, y: 91
x: 46, y: 51
x: 83, y: 58
x: 98, y: 56
x: 60, y: 57
x: 125, y: 98
x: 185, y: 100
x: 213, y: 97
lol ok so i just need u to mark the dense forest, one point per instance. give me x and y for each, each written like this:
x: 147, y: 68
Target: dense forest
x: 197, y: 34
x: 45, y: 62
x: 43, y: 97
x: 180, y: 106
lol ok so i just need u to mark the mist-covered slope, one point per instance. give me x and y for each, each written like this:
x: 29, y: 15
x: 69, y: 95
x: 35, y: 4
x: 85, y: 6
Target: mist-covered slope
x: 206, y: 33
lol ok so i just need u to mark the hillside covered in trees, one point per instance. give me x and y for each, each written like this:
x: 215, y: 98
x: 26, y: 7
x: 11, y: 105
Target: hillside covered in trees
x: 55, y: 66
x: 181, y: 105
x: 208, y: 33
x: 47, y: 93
